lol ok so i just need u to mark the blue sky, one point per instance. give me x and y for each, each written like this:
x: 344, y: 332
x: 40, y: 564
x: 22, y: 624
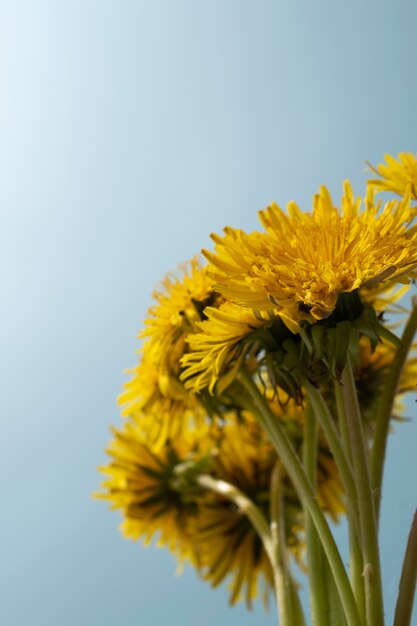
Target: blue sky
x: 129, y: 132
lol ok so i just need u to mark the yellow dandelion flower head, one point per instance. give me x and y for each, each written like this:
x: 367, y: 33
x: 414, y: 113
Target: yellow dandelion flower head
x: 162, y: 411
x: 396, y: 175
x: 384, y: 297
x: 155, y: 396
x: 372, y: 370
x: 139, y: 484
x: 216, y: 352
x: 180, y: 305
x: 305, y: 260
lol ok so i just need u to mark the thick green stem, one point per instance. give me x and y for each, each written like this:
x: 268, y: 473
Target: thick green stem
x: 261, y: 410
x: 282, y: 574
x: 404, y: 608
x: 369, y: 538
x: 355, y: 552
x: 385, y: 406
x: 315, y: 556
x: 339, y: 452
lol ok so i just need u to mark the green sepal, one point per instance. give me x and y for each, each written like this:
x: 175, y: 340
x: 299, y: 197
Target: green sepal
x: 385, y: 333
x: 342, y: 346
x: 318, y: 336
x: 185, y: 474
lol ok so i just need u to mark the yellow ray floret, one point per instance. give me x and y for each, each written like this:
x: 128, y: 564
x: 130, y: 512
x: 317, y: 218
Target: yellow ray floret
x: 305, y: 260
x: 398, y: 176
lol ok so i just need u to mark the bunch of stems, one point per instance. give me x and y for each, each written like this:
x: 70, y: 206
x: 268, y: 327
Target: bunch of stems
x: 338, y: 596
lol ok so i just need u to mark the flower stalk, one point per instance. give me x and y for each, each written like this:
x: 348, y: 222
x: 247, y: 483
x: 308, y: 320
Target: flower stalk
x: 369, y: 538
x: 404, y: 607
x: 343, y: 463
x: 244, y: 504
x: 282, y: 576
x: 319, y: 598
x: 295, y: 471
x: 385, y: 406
x: 355, y: 551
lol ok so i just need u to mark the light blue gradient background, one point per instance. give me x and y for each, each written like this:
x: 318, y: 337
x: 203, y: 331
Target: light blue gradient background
x: 129, y: 132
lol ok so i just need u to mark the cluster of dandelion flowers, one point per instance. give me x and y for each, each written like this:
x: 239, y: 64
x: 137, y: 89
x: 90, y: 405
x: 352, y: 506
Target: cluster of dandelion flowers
x: 305, y: 260
x: 157, y: 490
x: 261, y: 403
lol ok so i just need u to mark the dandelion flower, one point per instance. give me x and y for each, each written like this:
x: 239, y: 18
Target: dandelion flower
x: 305, y: 260
x: 372, y: 369
x: 155, y: 395
x: 398, y: 176
x: 180, y: 305
x: 227, y: 335
x: 139, y: 484
x: 160, y: 405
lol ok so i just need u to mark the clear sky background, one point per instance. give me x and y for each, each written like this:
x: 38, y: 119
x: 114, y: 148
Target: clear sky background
x: 128, y: 132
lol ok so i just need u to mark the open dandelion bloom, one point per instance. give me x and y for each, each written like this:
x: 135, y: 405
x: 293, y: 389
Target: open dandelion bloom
x: 155, y: 395
x: 140, y: 484
x: 224, y: 338
x: 180, y: 305
x: 398, y: 176
x: 371, y: 373
x: 384, y: 297
x: 305, y: 260
x: 159, y: 404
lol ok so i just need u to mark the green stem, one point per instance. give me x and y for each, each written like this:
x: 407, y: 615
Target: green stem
x: 245, y: 504
x: 355, y: 552
x: 261, y: 410
x: 385, y: 406
x: 298, y: 613
x: 339, y: 452
x: 369, y: 538
x: 336, y: 614
x: 356, y: 569
x: 282, y: 574
x: 404, y: 608
x: 316, y: 579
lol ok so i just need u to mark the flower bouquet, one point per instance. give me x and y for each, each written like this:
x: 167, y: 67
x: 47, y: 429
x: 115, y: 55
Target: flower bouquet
x: 261, y: 405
